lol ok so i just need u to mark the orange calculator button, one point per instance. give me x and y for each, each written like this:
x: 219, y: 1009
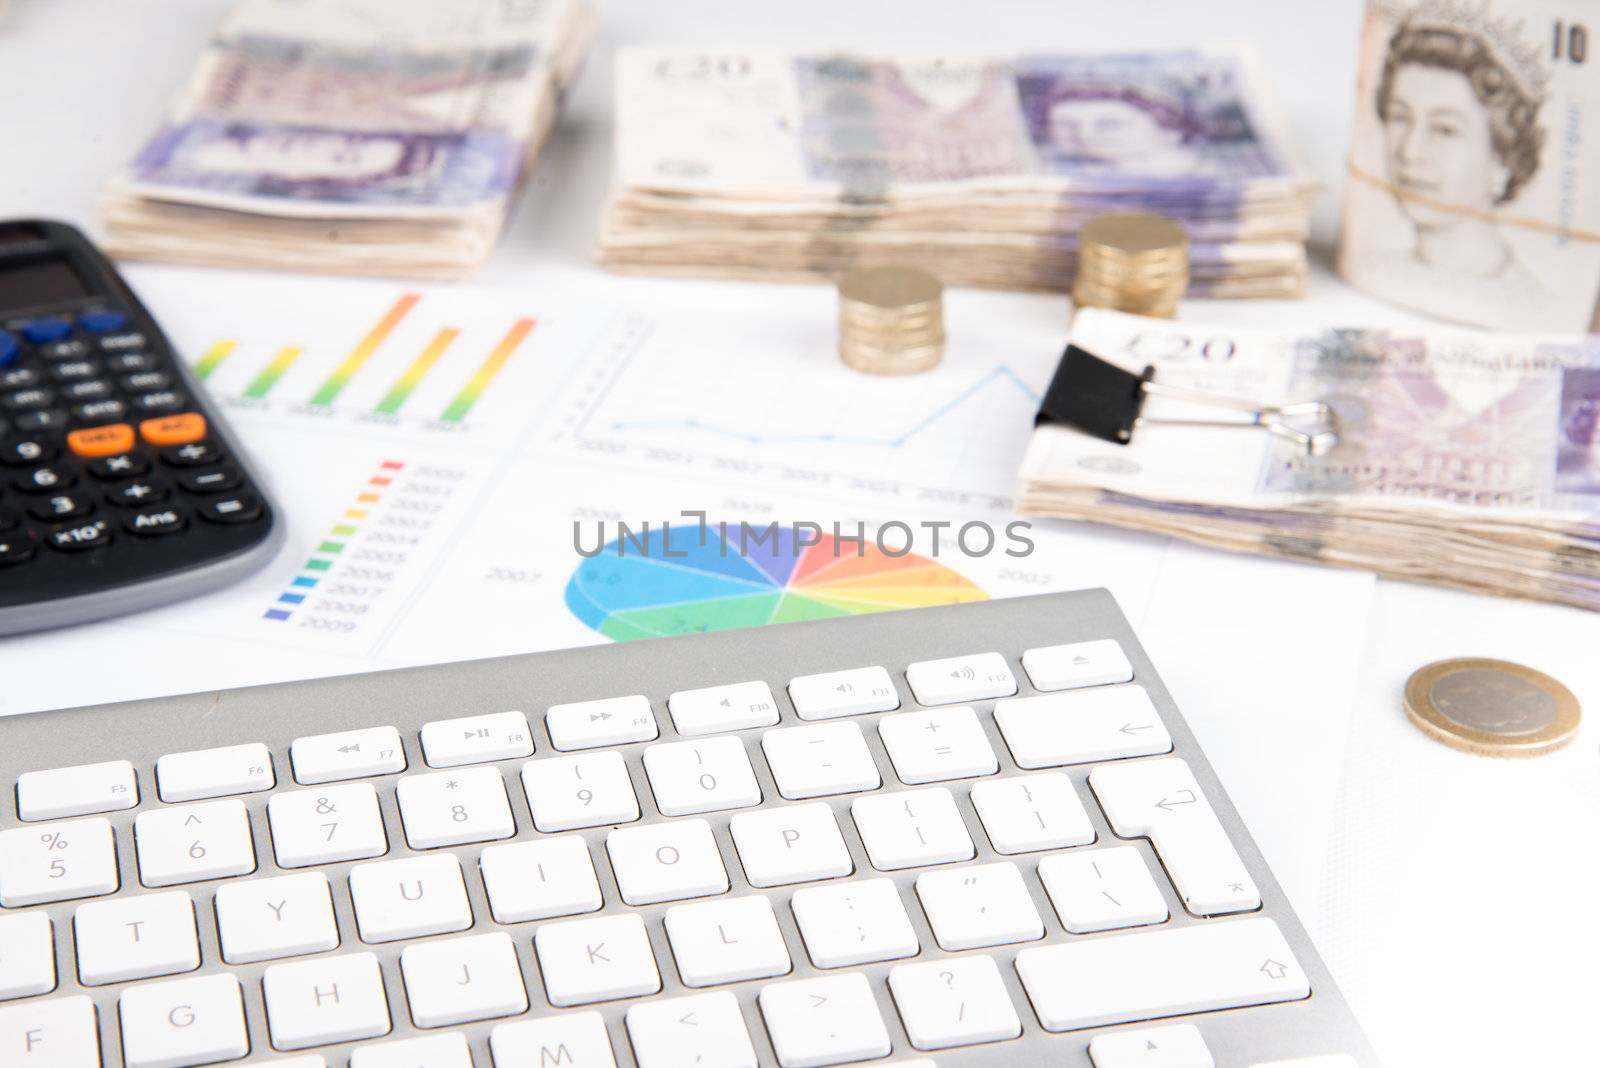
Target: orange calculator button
x: 174, y: 429
x: 101, y: 440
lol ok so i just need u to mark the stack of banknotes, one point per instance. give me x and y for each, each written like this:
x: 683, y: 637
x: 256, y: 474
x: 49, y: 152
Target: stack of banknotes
x: 756, y: 164
x: 359, y: 136
x: 1469, y: 460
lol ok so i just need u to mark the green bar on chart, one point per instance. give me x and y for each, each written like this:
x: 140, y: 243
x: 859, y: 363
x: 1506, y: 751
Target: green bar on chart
x: 213, y: 358
x: 335, y: 383
x: 263, y: 382
x: 463, y: 402
x: 392, y: 400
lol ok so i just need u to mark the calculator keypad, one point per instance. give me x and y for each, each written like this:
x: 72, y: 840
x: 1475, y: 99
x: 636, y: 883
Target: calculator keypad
x: 102, y: 451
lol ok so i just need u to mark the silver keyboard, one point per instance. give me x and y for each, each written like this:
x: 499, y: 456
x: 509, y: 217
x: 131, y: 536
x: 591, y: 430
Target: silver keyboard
x: 974, y: 836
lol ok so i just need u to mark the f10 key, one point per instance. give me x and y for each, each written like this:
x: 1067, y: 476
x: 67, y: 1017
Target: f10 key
x: 121, y: 487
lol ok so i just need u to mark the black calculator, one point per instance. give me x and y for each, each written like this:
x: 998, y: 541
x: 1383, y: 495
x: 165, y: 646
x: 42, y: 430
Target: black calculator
x: 120, y: 486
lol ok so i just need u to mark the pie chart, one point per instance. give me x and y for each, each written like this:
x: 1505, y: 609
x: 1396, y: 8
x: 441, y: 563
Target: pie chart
x: 685, y: 583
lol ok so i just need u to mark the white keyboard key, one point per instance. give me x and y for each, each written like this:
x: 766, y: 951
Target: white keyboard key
x: 57, y: 862
x: 1102, y: 889
x: 979, y: 906
x: 458, y: 980
x: 1082, y: 726
x: 1160, y: 799
x: 183, y: 1022
x: 956, y: 1002
x: 843, y: 693
x: 1170, y: 972
x: 285, y: 916
x: 323, y: 826
x: 135, y: 938
x: 722, y: 708
x: 207, y: 773
x: 1067, y: 667
x: 597, y: 724
x: 1179, y: 1046
x: 592, y: 790
x: 601, y: 959
x: 702, y: 1029
x: 961, y: 678
x: 1032, y: 812
x: 911, y: 828
x: 727, y: 941
x: 347, y: 755
x: 854, y: 923
x: 791, y: 844
x: 28, y: 956
x: 79, y: 791
x: 820, y: 760
x: 60, y: 1033
x: 205, y: 840
x: 541, y: 879
x: 831, y: 1020
x: 570, y: 1040
x: 446, y: 808
x: 702, y: 776
x: 666, y: 862
x: 331, y: 999
x: 432, y: 1051
x: 937, y: 744
x: 409, y: 898
x: 449, y: 743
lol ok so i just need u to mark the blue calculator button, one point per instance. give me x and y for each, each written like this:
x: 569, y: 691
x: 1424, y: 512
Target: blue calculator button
x: 8, y: 347
x: 102, y: 322
x: 44, y: 331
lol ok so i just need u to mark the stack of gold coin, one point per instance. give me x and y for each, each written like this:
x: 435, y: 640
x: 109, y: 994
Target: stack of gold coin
x: 1134, y: 263
x: 891, y: 320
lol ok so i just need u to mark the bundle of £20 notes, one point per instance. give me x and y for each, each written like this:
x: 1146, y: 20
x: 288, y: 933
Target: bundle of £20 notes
x: 1465, y: 459
x: 358, y: 136
x: 769, y: 165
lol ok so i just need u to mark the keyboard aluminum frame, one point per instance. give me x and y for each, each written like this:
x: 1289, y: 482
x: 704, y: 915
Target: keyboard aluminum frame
x: 142, y: 731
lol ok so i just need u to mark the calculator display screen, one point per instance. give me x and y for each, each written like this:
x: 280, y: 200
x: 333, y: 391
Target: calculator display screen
x: 23, y: 285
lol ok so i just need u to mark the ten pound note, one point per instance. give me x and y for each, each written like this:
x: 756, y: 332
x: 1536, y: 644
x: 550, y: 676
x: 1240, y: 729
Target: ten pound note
x: 370, y: 136
x: 1474, y: 174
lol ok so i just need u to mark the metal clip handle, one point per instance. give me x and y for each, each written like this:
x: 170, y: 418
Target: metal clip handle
x: 1311, y: 426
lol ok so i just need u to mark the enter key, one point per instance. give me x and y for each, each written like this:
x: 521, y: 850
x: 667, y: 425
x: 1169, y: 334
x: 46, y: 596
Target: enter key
x: 1160, y: 800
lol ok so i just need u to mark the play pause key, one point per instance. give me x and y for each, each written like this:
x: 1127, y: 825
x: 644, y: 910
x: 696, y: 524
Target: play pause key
x: 232, y: 508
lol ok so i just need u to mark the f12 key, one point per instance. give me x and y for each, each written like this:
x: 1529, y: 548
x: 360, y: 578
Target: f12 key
x: 121, y: 486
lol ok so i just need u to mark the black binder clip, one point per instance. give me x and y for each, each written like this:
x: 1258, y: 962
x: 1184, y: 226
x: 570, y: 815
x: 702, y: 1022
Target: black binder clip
x: 1107, y: 401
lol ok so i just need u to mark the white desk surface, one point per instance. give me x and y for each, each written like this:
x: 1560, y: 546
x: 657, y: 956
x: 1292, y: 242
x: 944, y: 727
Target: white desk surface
x: 1451, y: 895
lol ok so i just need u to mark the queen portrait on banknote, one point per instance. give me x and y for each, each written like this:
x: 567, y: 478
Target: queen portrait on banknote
x: 1464, y: 197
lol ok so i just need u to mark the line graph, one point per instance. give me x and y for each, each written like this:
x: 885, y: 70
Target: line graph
x: 1000, y: 373
x: 753, y: 398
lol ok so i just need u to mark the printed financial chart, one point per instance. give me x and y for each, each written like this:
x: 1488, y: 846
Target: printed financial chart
x: 776, y: 407
x: 434, y: 447
x: 680, y: 582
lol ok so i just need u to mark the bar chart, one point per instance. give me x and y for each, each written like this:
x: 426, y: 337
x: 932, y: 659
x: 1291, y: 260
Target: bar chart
x: 401, y: 364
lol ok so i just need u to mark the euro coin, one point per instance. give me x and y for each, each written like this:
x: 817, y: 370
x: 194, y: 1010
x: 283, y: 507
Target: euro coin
x: 1492, y: 707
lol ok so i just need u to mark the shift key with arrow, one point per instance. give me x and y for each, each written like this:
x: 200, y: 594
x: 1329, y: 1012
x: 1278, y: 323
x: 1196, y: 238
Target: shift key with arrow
x: 1160, y: 800
x: 1082, y: 726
